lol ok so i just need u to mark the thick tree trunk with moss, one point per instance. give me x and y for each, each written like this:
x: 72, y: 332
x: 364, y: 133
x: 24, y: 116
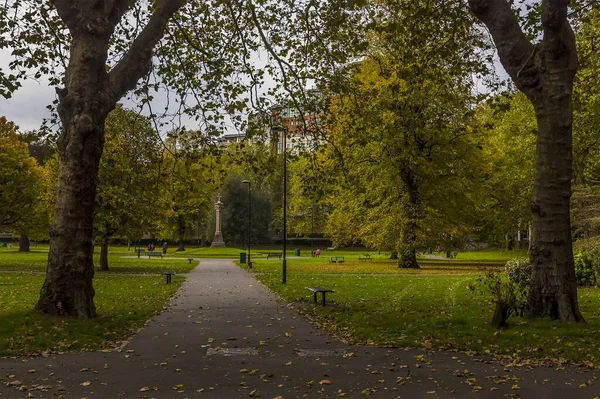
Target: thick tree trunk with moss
x: 104, y: 256
x: 545, y: 73
x: 24, y: 243
x: 90, y: 93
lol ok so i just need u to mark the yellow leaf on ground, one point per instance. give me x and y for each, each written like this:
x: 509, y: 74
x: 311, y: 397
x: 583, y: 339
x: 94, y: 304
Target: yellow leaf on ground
x: 325, y: 382
x: 86, y: 384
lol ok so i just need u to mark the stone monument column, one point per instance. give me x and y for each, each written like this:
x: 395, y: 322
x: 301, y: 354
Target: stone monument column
x: 218, y: 240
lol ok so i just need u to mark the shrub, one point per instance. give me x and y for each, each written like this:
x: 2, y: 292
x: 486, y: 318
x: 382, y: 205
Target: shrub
x: 509, y: 292
x: 585, y: 268
x: 518, y: 271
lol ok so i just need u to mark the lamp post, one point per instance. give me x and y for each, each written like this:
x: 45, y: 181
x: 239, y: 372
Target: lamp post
x: 249, y: 219
x: 312, y: 230
x: 284, y: 262
x: 281, y: 131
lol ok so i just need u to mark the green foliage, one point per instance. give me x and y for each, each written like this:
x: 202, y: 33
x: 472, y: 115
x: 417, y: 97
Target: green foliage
x: 189, y: 176
x: 402, y: 149
x: 586, y: 269
x: 507, y: 167
x: 585, y: 211
x: 586, y: 101
x: 235, y: 212
x: 518, y: 271
x: 21, y: 179
x: 509, y: 292
x: 126, y: 198
x: 587, y: 261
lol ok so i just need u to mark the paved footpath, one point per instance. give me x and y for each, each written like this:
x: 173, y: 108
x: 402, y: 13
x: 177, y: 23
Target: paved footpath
x: 226, y: 336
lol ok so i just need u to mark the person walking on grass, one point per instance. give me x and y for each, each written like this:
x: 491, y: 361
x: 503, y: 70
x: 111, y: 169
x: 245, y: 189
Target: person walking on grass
x: 165, y: 247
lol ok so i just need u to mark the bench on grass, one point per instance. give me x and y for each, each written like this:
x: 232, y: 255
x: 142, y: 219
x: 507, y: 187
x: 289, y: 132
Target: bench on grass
x: 154, y: 253
x: 336, y: 259
x: 139, y: 252
x: 168, y: 274
x: 365, y: 257
x: 190, y: 260
x: 274, y: 255
x: 316, y: 290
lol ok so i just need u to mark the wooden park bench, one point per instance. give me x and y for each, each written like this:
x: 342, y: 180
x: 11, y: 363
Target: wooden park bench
x: 365, y: 257
x: 139, y: 252
x: 316, y: 290
x: 168, y: 274
x: 274, y: 255
x: 154, y: 253
x: 336, y: 259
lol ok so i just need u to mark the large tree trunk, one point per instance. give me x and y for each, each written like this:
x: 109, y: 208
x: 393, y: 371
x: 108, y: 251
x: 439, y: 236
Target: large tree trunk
x: 68, y: 287
x: 408, y: 259
x: 104, y: 256
x: 544, y: 72
x: 90, y: 93
x: 180, y: 233
x: 412, y: 212
x: 553, y: 290
x: 23, y: 243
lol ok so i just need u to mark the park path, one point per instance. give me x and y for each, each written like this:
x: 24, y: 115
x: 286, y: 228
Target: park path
x: 224, y: 335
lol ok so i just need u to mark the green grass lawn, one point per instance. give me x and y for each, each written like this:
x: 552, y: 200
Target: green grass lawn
x: 124, y: 303
x: 379, y: 265
x: 438, y: 312
x: 119, y: 260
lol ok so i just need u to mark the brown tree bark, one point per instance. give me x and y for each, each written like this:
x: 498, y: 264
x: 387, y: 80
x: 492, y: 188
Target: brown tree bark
x: 408, y: 252
x: 545, y: 73
x: 24, y: 243
x: 104, y: 256
x: 90, y: 93
x: 180, y: 233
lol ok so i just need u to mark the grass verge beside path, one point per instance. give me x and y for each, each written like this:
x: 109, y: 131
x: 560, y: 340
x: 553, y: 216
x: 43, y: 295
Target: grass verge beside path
x: 124, y: 303
x: 439, y: 313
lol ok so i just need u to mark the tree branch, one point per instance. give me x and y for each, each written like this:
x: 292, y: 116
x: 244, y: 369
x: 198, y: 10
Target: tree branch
x: 138, y: 60
x: 67, y: 10
x: 514, y: 49
x: 558, y: 35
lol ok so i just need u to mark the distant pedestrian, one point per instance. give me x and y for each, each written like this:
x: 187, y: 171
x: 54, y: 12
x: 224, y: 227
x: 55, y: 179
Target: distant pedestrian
x: 317, y: 252
x: 165, y: 247
x: 150, y: 247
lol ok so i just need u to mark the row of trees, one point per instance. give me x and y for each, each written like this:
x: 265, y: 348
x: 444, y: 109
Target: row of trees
x: 145, y: 185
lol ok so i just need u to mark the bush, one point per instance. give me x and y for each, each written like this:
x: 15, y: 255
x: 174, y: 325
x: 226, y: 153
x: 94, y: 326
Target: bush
x: 509, y: 292
x: 586, y: 253
x: 518, y: 271
x: 585, y: 268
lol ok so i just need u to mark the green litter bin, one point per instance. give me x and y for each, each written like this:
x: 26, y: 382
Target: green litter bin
x: 297, y: 251
x: 242, y: 258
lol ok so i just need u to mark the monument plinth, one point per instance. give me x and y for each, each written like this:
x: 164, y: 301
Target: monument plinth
x: 218, y: 240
